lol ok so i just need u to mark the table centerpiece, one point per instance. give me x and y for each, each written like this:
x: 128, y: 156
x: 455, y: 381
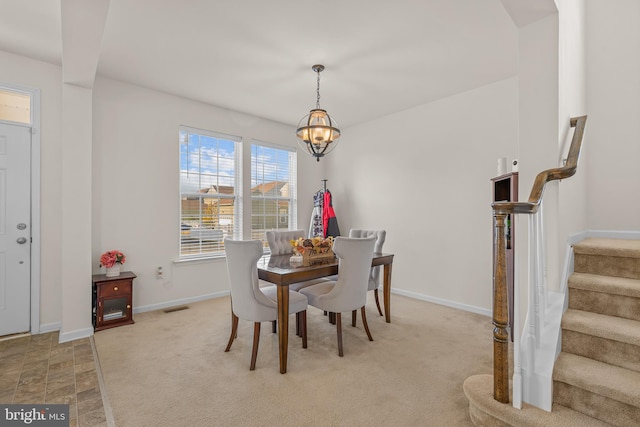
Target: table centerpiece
x: 312, y: 251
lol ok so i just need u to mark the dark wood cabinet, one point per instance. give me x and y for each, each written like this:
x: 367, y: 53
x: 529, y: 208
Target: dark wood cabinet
x: 112, y: 300
x: 505, y: 189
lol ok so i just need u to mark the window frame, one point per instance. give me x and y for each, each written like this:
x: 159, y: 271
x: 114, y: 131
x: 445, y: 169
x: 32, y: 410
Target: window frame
x: 208, y: 237
x: 292, y: 189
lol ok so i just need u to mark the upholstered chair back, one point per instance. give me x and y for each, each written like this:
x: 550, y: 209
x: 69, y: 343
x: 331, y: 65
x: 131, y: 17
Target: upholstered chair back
x: 279, y: 240
x: 247, y: 301
x: 354, y: 257
x: 380, y: 235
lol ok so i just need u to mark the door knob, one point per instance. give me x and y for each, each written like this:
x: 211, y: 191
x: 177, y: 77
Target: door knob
x: 21, y: 240
x: 21, y: 226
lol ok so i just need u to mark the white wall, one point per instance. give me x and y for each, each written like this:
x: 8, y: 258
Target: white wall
x: 538, y: 135
x: 572, y: 77
x: 424, y: 175
x: 76, y: 212
x: 35, y: 74
x: 613, y: 127
x: 552, y: 90
x: 136, y: 185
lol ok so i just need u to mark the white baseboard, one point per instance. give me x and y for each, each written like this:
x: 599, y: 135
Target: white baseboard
x: 440, y: 301
x: 75, y: 335
x: 415, y: 295
x: 612, y: 234
x: 83, y: 333
x: 182, y: 301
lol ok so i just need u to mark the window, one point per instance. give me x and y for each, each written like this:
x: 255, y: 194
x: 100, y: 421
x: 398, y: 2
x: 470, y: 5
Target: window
x: 274, y: 198
x: 15, y: 106
x: 210, y: 192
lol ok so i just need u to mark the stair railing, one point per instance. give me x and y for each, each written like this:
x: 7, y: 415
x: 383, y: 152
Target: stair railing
x: 536, y: 271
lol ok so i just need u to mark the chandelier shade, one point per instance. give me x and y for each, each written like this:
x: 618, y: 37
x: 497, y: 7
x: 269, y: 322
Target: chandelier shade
x: 317, y: 132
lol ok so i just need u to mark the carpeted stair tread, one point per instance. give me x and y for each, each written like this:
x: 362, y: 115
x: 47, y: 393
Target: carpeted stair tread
x: 603, y: 326
x: 608, y: 247
x: 487, y: 411
x: 605, y: 284
x: 600, y: 378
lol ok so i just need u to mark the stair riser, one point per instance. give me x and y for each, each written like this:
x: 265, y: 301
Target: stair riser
x: 610, y: 304
x: 596, y: 406
x: 481, y: 418
x: 604, y: 350
x: 607, y: 265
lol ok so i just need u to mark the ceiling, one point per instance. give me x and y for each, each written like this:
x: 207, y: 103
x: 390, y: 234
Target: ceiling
x: 255, y: 56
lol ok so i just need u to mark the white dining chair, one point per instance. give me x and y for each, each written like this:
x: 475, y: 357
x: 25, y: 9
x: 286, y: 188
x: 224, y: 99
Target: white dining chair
x: 349, y: 292
x: 374, y: 277
x: 280, y: 244
x: 248, y: 300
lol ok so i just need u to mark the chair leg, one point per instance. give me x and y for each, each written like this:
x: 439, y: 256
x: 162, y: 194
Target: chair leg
x: 332, y: 318
x: 232, y: 315
x: 375, y: 293
x: 298, y: 327
x: 364, y: 322
x: 354, y: 314
x: 234, y: 330
x: 303, y: 327
x: 274, y: 326
x: 339, y: 329
x: 256, y: 341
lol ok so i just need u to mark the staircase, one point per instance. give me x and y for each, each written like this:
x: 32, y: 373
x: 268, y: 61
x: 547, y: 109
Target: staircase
x: 597, y: 373
x: 598, y: 370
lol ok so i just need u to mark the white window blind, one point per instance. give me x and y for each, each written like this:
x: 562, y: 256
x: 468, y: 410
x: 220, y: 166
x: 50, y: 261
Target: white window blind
x: 274, y: 193
x: 210, y: 191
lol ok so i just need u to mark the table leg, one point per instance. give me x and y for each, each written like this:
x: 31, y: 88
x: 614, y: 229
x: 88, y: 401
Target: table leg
x: 387, y: 292
x: 283, y: 325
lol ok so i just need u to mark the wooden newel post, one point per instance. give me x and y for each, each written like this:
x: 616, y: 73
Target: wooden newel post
x: 500, y: 314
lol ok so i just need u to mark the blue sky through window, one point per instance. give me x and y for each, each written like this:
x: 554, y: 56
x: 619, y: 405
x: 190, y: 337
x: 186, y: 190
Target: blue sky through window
x: 269, y: 164
x: 206, y: 161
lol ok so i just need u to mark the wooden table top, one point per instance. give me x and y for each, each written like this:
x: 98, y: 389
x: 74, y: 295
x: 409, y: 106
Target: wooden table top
x: 279, y: 270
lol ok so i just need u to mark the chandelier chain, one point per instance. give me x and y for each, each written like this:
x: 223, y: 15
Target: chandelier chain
x: 318, y: 91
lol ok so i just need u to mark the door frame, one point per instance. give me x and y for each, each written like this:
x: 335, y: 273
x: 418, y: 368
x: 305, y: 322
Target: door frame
x: 34, y: 95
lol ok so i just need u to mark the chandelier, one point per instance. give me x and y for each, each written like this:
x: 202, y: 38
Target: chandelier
x: 317, y: 131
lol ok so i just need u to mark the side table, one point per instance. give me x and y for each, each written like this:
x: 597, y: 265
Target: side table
x: 112, y: 300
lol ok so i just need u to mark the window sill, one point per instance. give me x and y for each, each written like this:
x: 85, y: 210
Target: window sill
x: 199, y: 259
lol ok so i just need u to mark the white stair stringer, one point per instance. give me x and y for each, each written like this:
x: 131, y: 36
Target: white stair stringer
x: 538, y: 362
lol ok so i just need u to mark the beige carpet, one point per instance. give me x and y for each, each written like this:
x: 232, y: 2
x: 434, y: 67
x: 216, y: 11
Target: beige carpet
x: 170, y: 369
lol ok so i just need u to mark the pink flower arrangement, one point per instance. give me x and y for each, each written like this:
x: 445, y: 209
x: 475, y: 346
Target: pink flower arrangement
x: 111, y: 258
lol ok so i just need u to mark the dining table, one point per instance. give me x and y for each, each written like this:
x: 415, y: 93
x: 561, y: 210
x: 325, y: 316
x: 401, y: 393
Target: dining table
x: 279, y: 270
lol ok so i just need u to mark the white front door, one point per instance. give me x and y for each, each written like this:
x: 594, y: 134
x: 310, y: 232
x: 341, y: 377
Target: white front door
x: 15, y: 229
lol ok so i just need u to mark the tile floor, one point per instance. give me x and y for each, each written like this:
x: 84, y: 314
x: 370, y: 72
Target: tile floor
x: 38, y: 370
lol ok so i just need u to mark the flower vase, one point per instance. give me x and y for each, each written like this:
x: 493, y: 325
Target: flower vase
x: 113, y: 271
